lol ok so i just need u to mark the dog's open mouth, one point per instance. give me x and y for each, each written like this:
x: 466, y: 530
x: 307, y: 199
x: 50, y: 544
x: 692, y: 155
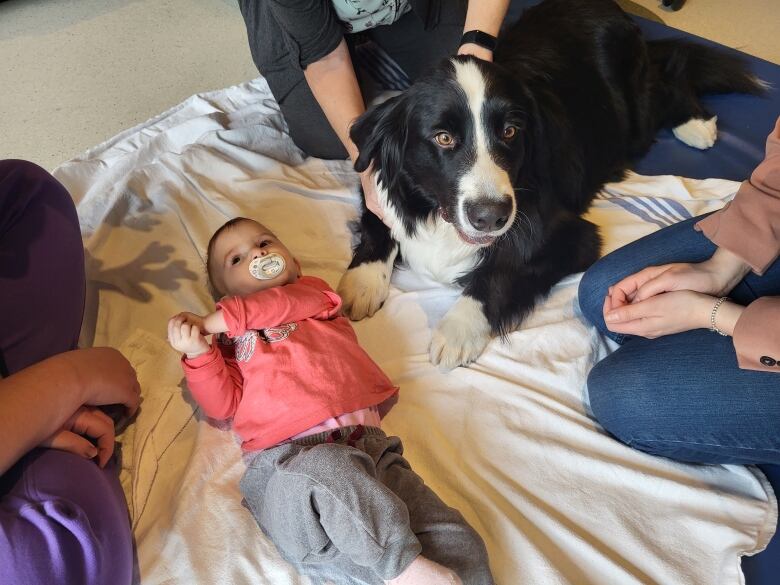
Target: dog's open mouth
x: 485, y: 240
x: 478, y: 241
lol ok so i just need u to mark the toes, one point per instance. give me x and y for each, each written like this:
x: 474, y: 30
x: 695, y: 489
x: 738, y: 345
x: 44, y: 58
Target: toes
x: 461, y: 336
x: 698, y: 133
x: 364, y: 288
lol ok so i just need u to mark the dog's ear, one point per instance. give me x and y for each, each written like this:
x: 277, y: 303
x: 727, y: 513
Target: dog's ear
x: 380, y: 136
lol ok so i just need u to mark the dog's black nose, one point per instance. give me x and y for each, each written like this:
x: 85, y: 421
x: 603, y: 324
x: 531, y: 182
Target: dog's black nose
x: 488, y: 215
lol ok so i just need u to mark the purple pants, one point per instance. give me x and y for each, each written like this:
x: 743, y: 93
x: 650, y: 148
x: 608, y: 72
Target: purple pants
x: 63, y: 520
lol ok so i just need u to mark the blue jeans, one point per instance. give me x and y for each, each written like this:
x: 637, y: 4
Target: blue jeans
x: 683, y: 396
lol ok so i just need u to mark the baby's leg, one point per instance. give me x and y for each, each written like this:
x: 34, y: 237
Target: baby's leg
x: 423, y: 571
x: 323, y: 503
x: 445, y: 535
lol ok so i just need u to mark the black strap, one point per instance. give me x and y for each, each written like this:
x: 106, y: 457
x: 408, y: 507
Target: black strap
x: 478, y: 37
x: 3, y: 367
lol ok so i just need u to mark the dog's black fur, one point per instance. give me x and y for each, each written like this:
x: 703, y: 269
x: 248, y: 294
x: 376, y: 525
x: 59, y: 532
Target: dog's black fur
x: 585, y: 94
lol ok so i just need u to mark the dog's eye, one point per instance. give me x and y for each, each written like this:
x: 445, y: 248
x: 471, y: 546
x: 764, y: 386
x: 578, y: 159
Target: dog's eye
x: 444, y: 139
x: 509, y: 133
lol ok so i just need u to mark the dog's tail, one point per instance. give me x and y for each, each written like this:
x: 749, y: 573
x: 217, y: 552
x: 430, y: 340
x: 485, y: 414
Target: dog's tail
x: 684, y: 71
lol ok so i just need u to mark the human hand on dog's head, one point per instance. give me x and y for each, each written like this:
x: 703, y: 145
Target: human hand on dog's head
x: 371, y: 197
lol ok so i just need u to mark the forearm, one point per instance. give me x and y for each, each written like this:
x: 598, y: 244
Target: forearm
x: 35, y: 403
x: 749, y: 226
x: 730, y: 267
x: 215, y: 385
x: 487, y: 16
x: 333, y: 83
x: 276, y: 306
x: 727, y: 316
x: 215, y: 323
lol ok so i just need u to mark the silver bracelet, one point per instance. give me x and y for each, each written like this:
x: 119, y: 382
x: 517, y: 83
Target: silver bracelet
x: 713, y: 327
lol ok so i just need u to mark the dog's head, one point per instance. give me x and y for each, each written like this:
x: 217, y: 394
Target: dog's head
x: 451, y: 144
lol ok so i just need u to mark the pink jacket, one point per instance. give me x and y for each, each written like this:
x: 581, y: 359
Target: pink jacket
x: 749, y: 226
x: 291, y: 363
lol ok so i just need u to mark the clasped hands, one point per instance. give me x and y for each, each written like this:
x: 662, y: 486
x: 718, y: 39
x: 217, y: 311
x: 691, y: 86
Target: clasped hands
x: 186, y: 334
x: 672, y: 298
x: 102, y: 377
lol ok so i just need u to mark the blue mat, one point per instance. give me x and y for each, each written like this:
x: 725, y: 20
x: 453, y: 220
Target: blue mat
x: 744, y: 122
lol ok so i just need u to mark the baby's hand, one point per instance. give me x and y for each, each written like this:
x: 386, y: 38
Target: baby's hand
x: 185, y: 336
x: 192, y: 319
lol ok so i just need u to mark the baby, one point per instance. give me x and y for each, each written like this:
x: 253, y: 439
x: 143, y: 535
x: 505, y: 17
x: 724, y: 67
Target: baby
x: 323, y: 481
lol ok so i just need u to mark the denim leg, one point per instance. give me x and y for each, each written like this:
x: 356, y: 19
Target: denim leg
x: 684, y: 397
x: 677, y: 243
x: 763, y: 568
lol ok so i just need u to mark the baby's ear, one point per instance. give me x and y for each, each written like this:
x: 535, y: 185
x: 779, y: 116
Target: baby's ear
x: 298, y: 264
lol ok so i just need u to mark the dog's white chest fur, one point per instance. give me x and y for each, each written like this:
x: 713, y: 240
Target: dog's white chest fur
x: 435, y: 251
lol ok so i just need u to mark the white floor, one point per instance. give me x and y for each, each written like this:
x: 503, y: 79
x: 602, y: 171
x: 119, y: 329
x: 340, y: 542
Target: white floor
x: 76, y: 72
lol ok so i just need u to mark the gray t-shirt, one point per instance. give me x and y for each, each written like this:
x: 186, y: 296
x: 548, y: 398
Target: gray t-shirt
x: 359, y: 15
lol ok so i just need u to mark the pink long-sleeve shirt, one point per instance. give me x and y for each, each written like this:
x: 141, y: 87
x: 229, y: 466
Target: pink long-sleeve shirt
x: 292, y: 363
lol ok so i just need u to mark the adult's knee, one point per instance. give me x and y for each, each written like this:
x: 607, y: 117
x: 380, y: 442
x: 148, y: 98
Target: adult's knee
x: 25, y: 187
x: 22, y: 170
x: 593, y: 288
x: 72, y: 504
x: 22, y: 178
x: 619, y: 391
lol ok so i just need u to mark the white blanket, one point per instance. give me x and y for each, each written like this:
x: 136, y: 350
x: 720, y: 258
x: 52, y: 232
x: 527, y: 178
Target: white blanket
x: 508, y: 440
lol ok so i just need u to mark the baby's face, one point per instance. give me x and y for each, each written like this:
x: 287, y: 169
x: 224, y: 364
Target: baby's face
x: 236, y: 248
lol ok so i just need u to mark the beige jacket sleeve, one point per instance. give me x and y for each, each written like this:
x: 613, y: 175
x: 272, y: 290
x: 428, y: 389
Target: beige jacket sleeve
x: 757, y: 336
x: 749, y: 226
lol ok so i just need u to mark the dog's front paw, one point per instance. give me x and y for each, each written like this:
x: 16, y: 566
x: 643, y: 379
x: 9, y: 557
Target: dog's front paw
x: 698, y: 133
x: 461, y: 336
x: 364, y: 288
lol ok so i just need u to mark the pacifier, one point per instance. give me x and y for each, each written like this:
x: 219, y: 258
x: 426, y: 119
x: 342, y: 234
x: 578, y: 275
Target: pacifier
x: 267, y: 267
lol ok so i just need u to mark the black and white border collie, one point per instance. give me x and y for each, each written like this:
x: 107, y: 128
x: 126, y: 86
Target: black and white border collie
x: 484, y: 169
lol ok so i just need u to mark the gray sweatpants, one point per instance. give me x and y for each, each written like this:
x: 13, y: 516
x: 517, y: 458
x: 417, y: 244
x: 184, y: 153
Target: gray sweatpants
x: 357, y: 512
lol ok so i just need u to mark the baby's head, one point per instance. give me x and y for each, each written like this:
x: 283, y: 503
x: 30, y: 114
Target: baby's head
x: 244, y: 257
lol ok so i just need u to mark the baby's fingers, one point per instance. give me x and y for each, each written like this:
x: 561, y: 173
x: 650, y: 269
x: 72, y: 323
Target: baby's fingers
x: 194, y: 333
x: 173, y: 326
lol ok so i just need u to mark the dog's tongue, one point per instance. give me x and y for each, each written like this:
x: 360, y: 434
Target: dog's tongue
x: 481, y: 241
